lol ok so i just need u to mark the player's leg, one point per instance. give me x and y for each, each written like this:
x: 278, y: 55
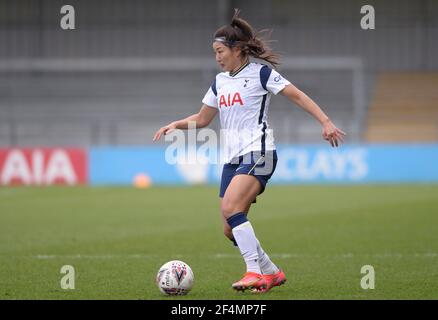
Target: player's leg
x: 240, y: 193
x: 271, y: 273
x: 240, y: 200
x: 228, y: 173
x: 267, y: 267
x: 227, y: 229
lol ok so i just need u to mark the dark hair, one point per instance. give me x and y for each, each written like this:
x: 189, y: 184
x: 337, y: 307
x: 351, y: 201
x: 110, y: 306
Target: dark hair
x: 239, y: 33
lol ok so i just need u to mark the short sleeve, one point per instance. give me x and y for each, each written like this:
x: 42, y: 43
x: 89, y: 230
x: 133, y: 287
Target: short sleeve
x: 276, y: 82
x: 210, y: 98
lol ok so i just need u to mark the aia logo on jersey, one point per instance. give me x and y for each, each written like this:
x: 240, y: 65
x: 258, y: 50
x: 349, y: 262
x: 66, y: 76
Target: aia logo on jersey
x: 230, y: 100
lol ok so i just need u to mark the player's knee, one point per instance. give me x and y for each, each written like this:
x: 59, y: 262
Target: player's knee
x: 228, y: 208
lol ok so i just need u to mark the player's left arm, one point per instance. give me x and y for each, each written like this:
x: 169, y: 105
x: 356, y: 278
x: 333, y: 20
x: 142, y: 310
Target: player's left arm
x: 329, y: 131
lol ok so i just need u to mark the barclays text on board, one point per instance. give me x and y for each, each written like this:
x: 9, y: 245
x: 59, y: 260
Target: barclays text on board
x: 297, y: 164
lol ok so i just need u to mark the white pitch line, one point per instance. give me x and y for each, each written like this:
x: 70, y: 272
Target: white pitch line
x: 236, y: 255
x: 98, y: 256
x: 344, y: 255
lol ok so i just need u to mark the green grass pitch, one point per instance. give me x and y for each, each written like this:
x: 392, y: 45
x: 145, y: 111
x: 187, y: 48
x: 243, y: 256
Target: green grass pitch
x: 117, y: 238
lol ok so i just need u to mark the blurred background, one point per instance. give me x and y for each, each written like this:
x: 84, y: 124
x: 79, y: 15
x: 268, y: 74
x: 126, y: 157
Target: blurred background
x: 130, y: 67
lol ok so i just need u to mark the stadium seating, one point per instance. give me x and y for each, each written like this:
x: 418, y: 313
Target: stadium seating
x: 404, y: 108
x: 127, y: 107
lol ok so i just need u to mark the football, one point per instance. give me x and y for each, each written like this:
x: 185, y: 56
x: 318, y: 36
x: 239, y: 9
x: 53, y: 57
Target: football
x: 175, y: 278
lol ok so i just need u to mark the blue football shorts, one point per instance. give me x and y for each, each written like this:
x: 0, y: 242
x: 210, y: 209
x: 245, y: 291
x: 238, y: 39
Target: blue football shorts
x: 253, y: 163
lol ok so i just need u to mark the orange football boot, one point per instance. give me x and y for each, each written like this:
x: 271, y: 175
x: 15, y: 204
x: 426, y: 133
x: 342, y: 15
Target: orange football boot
x: 250, y: 280
x: 272, y: 280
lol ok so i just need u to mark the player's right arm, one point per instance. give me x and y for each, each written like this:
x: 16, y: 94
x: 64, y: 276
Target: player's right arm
x: 201, y: 120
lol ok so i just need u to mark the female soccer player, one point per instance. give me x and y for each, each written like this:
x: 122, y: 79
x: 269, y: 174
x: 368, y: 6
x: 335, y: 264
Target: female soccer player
x: 241, y: 94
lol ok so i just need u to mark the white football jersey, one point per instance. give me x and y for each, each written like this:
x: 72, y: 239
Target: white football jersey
x: 243, y: 102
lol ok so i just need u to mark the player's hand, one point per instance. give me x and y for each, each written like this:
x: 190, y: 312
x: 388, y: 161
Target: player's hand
x: 332, y: 134
x: 163, y: 131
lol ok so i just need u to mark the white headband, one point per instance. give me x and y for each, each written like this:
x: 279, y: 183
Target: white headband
x: 224, y: 40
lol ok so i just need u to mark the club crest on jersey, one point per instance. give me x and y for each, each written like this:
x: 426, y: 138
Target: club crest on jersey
x: 230, y: 100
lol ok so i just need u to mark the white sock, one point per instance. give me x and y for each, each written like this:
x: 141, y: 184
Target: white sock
x: 266, y: 265
x: 247, y: 242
